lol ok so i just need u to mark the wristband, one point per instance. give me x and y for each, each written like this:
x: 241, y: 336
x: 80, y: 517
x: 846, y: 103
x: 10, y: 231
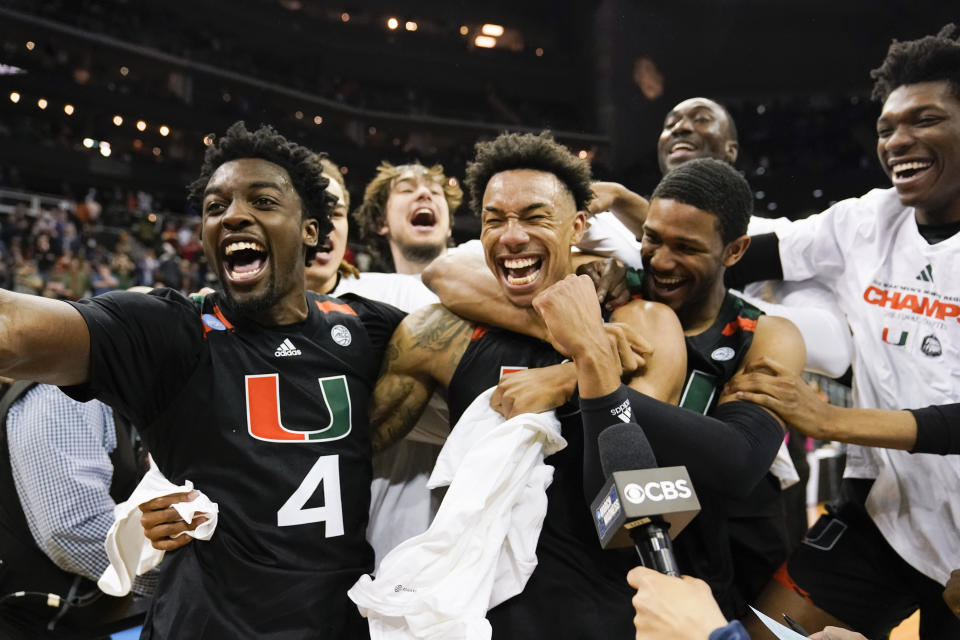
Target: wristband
x: 600, y: 413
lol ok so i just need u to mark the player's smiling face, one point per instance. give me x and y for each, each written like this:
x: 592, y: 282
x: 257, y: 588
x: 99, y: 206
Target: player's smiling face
x: 918, y: 143
x: 683, y: 254
x: 695, y: 128
x: 529, y: 222
x: 254, y: 236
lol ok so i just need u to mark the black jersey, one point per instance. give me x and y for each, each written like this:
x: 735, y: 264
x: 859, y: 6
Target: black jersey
x: 714, y: 355
x: 269, y: 422
x: 755, y: 524
x: 578, y: 590
x: 732, y: 544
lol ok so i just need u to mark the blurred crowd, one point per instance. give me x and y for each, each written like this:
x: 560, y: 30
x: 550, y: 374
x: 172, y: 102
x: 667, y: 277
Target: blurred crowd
x: 91, y: 247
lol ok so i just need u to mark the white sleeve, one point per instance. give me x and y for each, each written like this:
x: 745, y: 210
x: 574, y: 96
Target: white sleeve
x: 812, y: 309
x: 817, y: 247
x: 470, y: 247
x: 606, y: 236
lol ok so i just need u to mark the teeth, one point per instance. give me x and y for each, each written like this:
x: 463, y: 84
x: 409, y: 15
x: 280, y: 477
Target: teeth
x: 423, y: 210
x: 682, y: 145
x: 668, y: 281
x: 910, y: 166
x: 519, y: 263
x: 524, y: 280
x: 239, y: 246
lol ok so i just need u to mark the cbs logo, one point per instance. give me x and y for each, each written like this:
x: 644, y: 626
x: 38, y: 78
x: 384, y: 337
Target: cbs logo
x: 657, y: 491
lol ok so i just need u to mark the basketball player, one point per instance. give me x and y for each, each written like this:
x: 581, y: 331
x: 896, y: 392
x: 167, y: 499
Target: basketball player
x: 259, y: 396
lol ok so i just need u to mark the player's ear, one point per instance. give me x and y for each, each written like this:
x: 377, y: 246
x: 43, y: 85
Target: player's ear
x: 579, y: 227
x: 735, y: 250
x: 310, y: 230
x: 730, y: 150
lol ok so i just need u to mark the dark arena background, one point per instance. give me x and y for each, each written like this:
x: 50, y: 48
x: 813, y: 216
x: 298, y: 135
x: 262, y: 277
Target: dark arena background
x: 107, y: 107
x: 118, y: 95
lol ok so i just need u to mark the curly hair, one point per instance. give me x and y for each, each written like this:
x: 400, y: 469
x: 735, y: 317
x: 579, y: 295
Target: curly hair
x: 302, y: 164
x: 371, y: 215
x: 928, y: 59
x: 713, y: 186
x: 540, y: 152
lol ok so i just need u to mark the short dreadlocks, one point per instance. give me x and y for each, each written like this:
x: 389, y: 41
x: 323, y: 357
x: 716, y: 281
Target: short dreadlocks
x: 928, y: 59
x: 265, y: 143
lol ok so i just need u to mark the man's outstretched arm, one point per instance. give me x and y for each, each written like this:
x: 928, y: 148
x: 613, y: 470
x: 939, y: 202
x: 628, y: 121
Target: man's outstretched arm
x: 43, y: 340
x: 630, y: 208
x: 423, y: 352
x: 770, y: 384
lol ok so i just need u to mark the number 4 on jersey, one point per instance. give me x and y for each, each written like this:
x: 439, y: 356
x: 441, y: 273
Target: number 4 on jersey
x: 326, y: 471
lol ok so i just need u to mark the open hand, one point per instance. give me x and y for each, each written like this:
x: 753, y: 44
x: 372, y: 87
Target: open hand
x: 769, y: 384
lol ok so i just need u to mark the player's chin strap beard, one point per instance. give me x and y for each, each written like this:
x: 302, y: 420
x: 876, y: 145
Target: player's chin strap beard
x: 252, y: 307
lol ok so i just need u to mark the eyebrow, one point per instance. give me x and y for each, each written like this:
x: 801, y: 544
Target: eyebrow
x: 263, y: 184
x: 912, y: 110
x: 413, y: 180
x: 684, y: 239
x: 693, y: 110
x: 526, y: 209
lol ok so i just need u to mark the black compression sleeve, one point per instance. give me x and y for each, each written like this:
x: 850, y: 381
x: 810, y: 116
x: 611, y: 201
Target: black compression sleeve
x: 761, y: 261
x: 727, y: 452
x: 597, y: 414
x: 938, y: 429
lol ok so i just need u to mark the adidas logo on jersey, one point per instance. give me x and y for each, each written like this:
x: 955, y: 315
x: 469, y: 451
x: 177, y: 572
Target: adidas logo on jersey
x: 286, y: 348
x: 926, y: 274
x: 623, y: 412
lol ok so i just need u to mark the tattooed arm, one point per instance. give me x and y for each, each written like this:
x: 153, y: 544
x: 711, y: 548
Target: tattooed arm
x: 424, y: 352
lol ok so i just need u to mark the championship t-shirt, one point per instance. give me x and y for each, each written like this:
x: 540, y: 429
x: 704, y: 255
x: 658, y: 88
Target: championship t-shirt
x: 901, y: 297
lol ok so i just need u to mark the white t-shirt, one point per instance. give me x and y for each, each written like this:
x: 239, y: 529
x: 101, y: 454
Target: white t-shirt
x: 404, y: 291
x: 401, y: 505
x: 901, y: 297
x: 810, y: 306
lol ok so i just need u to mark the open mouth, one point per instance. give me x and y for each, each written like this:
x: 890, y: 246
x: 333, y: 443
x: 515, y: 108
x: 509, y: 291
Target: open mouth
x: 666, y: 284
x: 424, y: 217
x: 903, y: 171
x: 520, y: 271
x: 326, y: 246
x: 244, y: 260
x: 682, y: 146
x: 324, y: 251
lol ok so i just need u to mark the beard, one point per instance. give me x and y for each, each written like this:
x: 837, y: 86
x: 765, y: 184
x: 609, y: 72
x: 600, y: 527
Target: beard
x: 422, y: 253
x: 251, y: 306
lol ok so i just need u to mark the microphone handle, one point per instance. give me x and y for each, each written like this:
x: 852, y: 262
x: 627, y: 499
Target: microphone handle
x: 654, y: 548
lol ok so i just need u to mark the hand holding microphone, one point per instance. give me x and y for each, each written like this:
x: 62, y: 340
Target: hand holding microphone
x: 668, y: 607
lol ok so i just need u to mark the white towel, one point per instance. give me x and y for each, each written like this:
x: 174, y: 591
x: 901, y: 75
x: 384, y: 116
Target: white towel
x: 783, y: 468
x: 129, y: 551
x: 481, y: 547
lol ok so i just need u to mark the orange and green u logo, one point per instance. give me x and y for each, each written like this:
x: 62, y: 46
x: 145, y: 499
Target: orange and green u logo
x: 264, y: 421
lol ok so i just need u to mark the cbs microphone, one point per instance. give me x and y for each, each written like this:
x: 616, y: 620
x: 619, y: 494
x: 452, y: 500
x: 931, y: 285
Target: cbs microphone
x: 641, y: 504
